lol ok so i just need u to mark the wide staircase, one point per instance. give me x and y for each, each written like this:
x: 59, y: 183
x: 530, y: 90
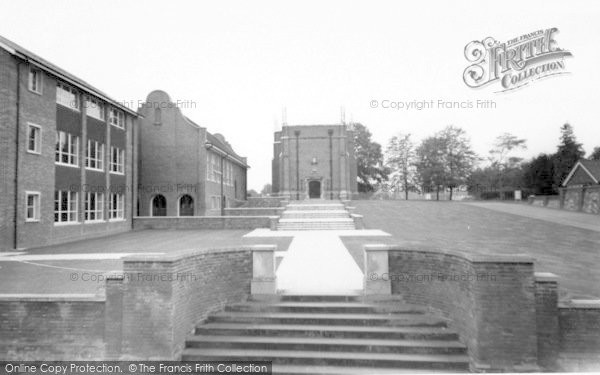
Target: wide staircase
x: 329, y: 335
x: 315, y: 215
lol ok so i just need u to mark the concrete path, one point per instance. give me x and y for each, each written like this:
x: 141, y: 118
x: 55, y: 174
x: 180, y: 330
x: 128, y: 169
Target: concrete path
x: 564, y: 217
x: 317, y: 262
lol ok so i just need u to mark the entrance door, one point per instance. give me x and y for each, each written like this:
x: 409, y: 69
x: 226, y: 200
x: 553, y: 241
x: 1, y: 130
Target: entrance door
x: 186, y: 206
x: 314, y: 189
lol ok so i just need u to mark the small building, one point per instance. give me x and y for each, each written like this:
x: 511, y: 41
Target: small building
x: 314, y: 161
x: 183, y: 169
x: 68, y: 165
x: 580, y: 190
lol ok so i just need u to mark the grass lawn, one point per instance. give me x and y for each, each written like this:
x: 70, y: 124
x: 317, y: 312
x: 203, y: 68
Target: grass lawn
x: 573, y: 254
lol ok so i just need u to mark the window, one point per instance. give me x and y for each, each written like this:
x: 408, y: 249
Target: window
x: 117, y: 160
x: 115, y: 206
x: 213, y: 168
x: 35, y: 80
x: 34, y: 139
x: 215, y: 202
x: 94, y: 108
x: 67, y: 96
x: 117, y: 118
x: 94, y: 158
x: 67, y: 149
x: 65, y: 206
x: 32, y: 212
x: 94, y: 207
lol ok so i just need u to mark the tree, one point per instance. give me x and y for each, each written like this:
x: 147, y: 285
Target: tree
x: 266, y: 190
x: 400, y: 160
x: 458, y: 156
x: 568, y: 153
x: 430, y: 164
x: 252, y: 193
x: 503, y: 146
x: 369, y: 160
x: 595, y: 154
x: 538, y: 174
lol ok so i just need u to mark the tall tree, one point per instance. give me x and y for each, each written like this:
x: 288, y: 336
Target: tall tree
x: 430, y: 164
x: 503, y: 146
x: 568, y: 153
x: 458, y: 156
x: 400, y: 160
x: 266, y: 190
x: 369, y: 159
x: 595, y: 154
x: 538, y: 174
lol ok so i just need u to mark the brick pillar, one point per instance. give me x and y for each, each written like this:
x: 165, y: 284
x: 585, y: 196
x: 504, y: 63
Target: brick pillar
x: 546, y: 311
x: 581, y: 200
x: 113, y: 316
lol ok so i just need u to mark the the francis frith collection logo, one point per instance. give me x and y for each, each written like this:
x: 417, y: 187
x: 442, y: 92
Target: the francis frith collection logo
x: 514, y: 63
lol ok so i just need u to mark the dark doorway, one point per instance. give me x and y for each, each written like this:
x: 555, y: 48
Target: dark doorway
x: 159, y: 206
x: 186, y: 206
x: 314, y: 189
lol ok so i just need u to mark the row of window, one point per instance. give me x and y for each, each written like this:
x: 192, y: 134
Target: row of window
x: 214, y: 172
x: 68, y: 96
x: 66, y: 206
x: 67, y: 150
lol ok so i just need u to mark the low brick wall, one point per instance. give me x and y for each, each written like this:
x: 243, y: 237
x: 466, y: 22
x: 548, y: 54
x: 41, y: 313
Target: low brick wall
x: 254, y: 211
x: 201, y: 222
x: 146, y: 313
x: 489, y: 300
x: 579, y: 336
x: 51, y: 327
x: 551, y: 201
x: 162, y: 298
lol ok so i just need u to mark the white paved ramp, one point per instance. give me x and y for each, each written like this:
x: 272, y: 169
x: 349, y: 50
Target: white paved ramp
x: 317, y: 262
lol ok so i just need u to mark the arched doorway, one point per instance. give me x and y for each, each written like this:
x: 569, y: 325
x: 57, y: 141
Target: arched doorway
x: 186, y: 205
x: 159, y: 205
x: 314, y: 189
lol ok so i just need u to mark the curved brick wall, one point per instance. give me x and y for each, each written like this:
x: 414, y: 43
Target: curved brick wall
x: 490, y: 301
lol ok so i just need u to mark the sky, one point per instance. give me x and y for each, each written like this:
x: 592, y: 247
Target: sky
x: 235, y: 65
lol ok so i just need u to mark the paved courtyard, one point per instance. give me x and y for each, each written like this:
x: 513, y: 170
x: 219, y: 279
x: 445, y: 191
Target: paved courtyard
x: 571, y: 252
x: 77, y: 267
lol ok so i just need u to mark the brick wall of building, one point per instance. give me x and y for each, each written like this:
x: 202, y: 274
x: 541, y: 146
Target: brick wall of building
x: 314, y: 155
x: 483, y: 302
x: 8, y: 114
x: 51, y: 328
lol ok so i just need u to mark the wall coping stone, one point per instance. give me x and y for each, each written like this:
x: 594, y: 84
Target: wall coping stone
x: 580, y: 304
x: 33, y: 297
x: 545, y: 277
x: 182, y: 254
x: 198, y: 217
x: 474, y: 258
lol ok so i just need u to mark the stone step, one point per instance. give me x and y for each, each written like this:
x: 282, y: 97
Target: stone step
x: 406, y: 320
x: 353, y: 331
x: 356, y: 297
x: 325, y: 307
x: 302, y: 214
x: 327, y: 344
x: 302, y: 228
x: 318, y: 220
x: 345, y: 370
x: 315, y: 207
x: 300, y: 357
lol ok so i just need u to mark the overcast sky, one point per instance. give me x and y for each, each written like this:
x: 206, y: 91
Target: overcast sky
x: 239, y: 63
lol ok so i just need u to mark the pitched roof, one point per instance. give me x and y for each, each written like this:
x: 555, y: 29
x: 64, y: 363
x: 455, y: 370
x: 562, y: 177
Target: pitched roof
x: 16, y: 50
x: 224, y: 146
x: 591, y: 167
